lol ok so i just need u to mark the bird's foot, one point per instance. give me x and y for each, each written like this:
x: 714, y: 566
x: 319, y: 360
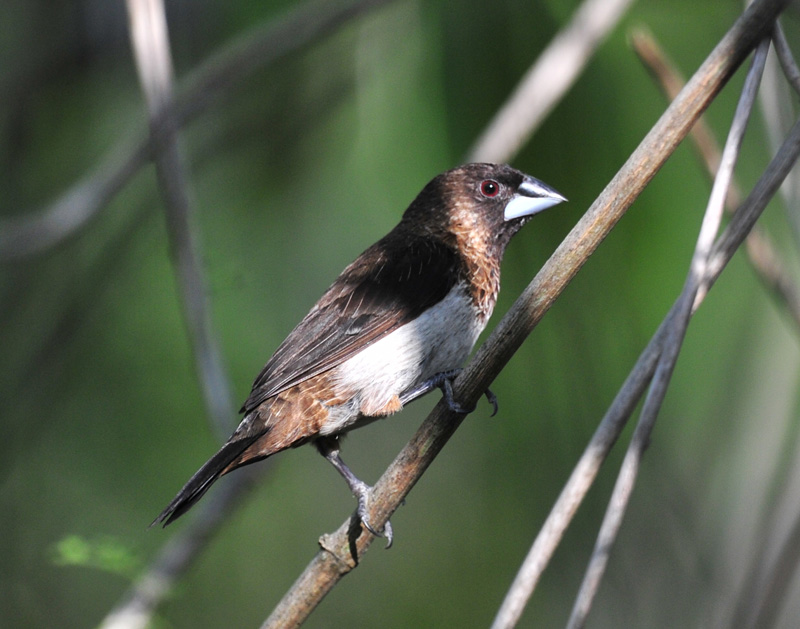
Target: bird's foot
x: 329, y: 448
x: 361, y: 491
x: 444, y: 381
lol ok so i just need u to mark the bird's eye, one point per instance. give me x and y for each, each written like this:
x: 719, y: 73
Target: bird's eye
x: 490, y: 188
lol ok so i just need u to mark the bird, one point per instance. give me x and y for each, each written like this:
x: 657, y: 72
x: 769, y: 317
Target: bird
x: 396, y: 324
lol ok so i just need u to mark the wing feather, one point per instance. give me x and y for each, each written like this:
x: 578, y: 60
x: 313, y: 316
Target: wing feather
x: 386, y: 287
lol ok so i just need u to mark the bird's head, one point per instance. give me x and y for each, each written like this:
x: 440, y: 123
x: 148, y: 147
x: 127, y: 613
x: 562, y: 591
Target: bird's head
x: 481, y: 205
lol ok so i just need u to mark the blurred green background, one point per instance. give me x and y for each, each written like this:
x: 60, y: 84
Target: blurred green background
x: 295, y: 171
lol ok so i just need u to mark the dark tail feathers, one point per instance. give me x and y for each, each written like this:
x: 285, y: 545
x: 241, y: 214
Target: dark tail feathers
x: 203, y: 479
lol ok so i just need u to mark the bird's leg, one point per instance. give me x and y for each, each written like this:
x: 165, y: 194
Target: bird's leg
x: 329, y: 448
x: 444, y: 381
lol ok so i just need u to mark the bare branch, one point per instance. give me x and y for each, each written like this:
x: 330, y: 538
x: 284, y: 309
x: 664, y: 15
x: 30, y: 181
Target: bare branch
x: 36, y: 232
x: 716, y: 203
x: 136, y: 609
x: 755, y: 604
x: 778, y: 111
x: 342, y: 550
x: 788, y: 64
x: 149, y: 36
x: 748, y: 28
x: 39, y: 230
x: 151, y: 48
x: 671, y: 83
x: 547, y: 80
x: 747, y: 215
x: 693, y: 293
x: 761, y: 251
x: 614, y: 421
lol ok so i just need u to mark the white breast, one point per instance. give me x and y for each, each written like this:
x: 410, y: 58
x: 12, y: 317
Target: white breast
x: 438, y: 340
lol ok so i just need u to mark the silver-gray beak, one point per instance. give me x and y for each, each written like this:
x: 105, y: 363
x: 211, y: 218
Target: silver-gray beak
x: 531, y: 197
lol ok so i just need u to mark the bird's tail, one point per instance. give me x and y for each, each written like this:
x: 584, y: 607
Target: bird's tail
x: 198, y: 484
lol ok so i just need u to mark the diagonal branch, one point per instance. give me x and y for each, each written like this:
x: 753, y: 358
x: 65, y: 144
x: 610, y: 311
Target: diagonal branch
x: 139, y: 603
x: 778, y: 111
x: 546, y: 82
x: 342, y: 550
x: 761, y: 250
x: 693, y: 292
x: 37, y: 231
x: 150, y: 40
x: 614, y: 421
x: 785, y: 57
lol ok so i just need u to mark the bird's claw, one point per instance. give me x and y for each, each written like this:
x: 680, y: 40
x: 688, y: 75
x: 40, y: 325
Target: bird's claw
x: 447, y: 391
x: 329, y: 448
x: 492, y: 399
x: 362, y: 493
x: 445, y: 383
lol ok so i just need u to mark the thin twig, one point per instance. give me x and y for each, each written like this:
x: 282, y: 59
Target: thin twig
x: 755, y: 22
x: 716, y: 203
x: 150, y: 40
x: 693, y: 291
x: 784, y: 53
x: 547, y: 80
x: 769, y: 574
x: 37, y: 231
x: 151, y: 48
x: 773, y: 273
x: 778, y: 111
x: 136, y: 608
x: 609, y: 429
x: 341, y: 551
x: 761, y: 250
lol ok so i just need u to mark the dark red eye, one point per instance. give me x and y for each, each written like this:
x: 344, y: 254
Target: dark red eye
x: 490, y: 188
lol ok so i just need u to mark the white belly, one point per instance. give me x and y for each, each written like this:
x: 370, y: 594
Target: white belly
x: 438, y: 340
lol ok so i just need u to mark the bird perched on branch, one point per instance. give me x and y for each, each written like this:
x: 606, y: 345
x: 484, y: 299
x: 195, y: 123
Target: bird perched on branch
x: 397, y: 323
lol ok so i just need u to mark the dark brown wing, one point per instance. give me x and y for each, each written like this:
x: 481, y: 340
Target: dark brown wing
x: 388, y: 285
